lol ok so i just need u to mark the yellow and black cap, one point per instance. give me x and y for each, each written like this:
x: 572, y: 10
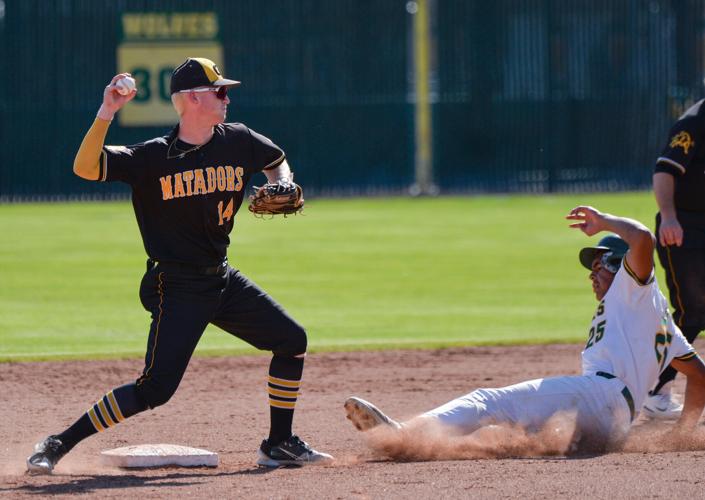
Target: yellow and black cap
x: 198, y: 72
x: 613, y: 249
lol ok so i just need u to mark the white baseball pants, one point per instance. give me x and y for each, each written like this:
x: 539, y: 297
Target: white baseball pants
x: 599, y: 403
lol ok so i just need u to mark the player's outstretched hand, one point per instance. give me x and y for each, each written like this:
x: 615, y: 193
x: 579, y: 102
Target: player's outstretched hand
x: 670, y: 232
x: 591, y: 220
x: 112, y: 99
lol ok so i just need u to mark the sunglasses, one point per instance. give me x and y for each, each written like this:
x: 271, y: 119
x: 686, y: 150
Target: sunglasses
x: 220, y: 92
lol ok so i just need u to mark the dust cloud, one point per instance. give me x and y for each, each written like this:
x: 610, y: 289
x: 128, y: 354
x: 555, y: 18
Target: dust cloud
x: 661, y: 437
x: 430, y: 440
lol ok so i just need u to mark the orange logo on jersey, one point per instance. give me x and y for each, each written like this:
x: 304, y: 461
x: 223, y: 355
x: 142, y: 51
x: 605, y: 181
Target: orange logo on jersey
x: 197, y: 182
x: 682, y: 140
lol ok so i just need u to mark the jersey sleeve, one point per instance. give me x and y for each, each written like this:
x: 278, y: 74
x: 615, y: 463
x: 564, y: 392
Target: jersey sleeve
x: 681, y: 348
x: 121, y: 163
x: 684, y: 137
x: 265, y: 154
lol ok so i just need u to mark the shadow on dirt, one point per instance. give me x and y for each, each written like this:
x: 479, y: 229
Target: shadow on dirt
x: 96, y: 483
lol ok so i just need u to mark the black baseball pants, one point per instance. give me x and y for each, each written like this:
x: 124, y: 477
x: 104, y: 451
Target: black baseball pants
x: 182, y: 304
x: 684, y: 267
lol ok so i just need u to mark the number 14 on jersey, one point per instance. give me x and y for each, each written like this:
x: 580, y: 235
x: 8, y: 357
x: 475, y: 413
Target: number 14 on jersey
x: 227, y: 214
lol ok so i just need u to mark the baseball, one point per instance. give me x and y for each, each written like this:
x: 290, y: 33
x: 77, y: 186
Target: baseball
x: 125, y: 85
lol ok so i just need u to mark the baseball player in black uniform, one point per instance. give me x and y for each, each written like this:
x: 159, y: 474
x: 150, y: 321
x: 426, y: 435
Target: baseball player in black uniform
x: 679, y: 186
x: 186, y: 189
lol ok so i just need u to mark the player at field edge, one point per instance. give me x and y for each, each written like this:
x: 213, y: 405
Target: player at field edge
x: 631, y: 340
x: 679, y: 188
x: 186, y: 189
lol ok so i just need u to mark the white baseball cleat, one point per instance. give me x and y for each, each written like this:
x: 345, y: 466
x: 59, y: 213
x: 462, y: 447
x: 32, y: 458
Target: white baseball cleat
x: 364, y: 415
x: 662, y: 407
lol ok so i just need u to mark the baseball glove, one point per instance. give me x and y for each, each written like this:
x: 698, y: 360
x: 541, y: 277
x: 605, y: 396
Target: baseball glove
x: 281, y: 198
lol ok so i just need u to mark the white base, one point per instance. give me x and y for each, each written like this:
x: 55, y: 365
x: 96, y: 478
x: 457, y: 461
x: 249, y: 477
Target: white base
x: 159, y: 455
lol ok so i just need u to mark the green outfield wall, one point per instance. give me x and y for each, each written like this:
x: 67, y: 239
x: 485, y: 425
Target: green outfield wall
x: 520, y: 95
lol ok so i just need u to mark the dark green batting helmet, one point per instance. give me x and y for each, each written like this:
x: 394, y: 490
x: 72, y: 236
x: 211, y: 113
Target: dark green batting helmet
x: 614, y: 247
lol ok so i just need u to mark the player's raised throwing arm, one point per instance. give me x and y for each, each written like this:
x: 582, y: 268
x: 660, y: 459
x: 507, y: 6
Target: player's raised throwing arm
x: 640, y: 256
x: 87, y: 162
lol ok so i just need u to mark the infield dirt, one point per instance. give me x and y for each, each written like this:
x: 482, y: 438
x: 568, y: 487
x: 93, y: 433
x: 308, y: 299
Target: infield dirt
x: 222, y: 406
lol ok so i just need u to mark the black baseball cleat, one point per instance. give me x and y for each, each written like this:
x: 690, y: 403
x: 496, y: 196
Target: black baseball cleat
x: 46, y: 454
x: 364, y: 415
x: 292, y: 451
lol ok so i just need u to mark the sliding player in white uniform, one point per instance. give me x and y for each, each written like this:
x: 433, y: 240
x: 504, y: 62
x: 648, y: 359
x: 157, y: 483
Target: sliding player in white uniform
x: 631, y: 340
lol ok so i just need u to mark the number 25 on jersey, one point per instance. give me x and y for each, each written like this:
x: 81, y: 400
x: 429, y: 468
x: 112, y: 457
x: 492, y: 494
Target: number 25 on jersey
x: 597, y: 331
x: 596, y: 334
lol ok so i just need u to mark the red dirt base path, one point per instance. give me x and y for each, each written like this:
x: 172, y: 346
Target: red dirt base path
x: 222, y: 406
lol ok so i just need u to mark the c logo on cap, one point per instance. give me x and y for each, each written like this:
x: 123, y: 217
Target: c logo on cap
x: 217, y: 71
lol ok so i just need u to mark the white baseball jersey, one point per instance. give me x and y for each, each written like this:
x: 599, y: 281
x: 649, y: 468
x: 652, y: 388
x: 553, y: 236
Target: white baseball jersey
x: 632, y: 339
x: 632, y: 335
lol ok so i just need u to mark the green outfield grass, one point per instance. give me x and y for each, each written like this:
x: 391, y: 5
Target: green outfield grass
x: 358, y: 273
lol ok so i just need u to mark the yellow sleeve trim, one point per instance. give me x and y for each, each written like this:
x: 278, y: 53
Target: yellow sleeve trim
x: 636, y: 278
x: 688, y: 356
x: 88, y: 159
x: 275, y: 163
x: 668, y: 161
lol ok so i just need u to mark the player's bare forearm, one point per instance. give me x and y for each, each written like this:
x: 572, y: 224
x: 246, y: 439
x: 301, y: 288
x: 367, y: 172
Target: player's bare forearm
x: 632, y: 231
x: 280, y: 172
x: 641, y: 243
x: 693, y: 404
x: 670, y: 230
x: 694, y: 370
x: 87, y: 161
x: 664, y: 188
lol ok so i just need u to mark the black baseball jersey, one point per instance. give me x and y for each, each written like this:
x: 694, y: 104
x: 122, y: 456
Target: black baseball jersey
x: 684, y: 158
x: 185, y: 197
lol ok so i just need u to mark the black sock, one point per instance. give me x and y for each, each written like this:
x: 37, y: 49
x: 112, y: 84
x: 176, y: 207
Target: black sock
x: 111, y: 409
x: 283, y: 387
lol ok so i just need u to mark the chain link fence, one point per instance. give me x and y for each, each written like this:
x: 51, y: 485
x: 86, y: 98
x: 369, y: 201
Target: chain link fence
x: 527, y: 95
